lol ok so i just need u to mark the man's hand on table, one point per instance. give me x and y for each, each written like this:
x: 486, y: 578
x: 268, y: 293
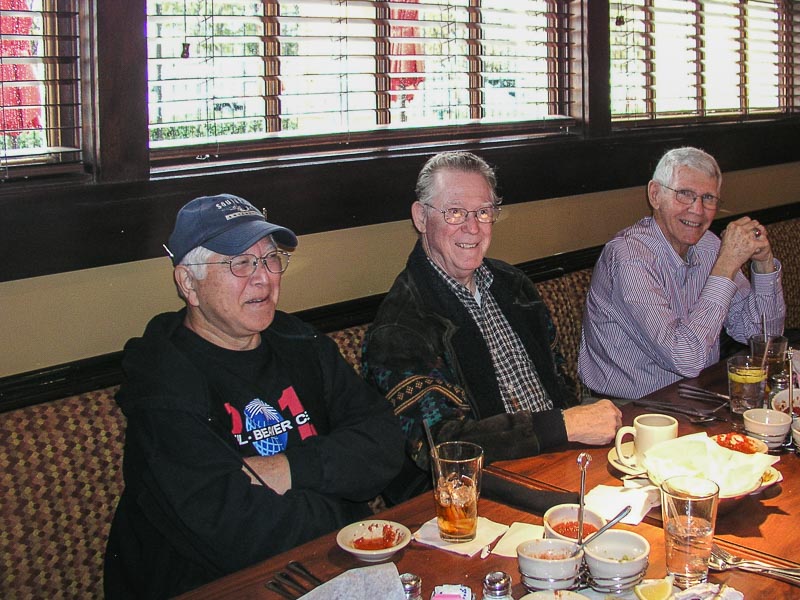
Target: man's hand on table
x: 594, y: 424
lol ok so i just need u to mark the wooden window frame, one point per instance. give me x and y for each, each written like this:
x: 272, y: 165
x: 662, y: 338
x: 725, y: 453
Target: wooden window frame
x: 122, y: 210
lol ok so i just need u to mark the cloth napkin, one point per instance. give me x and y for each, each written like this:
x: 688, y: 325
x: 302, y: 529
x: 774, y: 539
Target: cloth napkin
x: 521, y: 496
x: 488, y: 531
x: 366, y: 583
x: 607, y: 500
x: 706, y: 591
x: 516, y: 534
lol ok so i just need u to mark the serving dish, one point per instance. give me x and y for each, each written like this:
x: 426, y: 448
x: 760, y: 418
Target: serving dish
x: 371, y: 533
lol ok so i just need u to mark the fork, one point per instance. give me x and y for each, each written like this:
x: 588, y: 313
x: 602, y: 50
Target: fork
x: 731, y: 561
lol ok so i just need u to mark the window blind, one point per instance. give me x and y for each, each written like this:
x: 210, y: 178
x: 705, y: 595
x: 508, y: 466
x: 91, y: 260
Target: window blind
x: 691, y: 58
x: 223, y: 71
x: 39, y: 86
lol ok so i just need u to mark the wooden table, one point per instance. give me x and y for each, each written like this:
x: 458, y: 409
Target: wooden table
x: 763, y: 526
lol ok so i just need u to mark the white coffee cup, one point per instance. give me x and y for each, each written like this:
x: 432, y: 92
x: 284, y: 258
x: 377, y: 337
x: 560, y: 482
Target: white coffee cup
x: 647, y: 431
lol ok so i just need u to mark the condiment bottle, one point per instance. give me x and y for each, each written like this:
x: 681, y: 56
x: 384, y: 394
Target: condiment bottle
x: 497, y: 586
x: 412, y: 586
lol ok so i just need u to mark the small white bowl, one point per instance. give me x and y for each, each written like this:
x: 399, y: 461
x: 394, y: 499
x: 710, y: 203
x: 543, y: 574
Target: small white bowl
x: 781, y: 401
x: 796, y: 433
x: 564, y: 513
x: 373, y: 529
x: 546, y: 564
x: 617, y: 558
x: 768, y: 425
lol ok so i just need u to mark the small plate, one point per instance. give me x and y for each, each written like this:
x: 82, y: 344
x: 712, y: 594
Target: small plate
x: 756, y: 445
x: 770, y: 477
x: 373, y: 528
x: 627, y: 448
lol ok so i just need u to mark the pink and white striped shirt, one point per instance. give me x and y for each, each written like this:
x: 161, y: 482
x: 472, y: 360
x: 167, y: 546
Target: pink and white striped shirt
x: 652, y: 318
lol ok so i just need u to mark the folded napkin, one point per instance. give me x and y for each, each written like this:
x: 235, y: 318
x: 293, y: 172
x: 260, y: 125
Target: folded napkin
x: 607, y: 501
x: 516, y: 534
x: 488, y: 531
x: 366, y: 583
x: 521, y: 496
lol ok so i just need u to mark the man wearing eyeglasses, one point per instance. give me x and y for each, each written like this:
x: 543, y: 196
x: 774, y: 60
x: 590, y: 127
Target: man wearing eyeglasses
x: 247, y: 432
x: 664, y: 288
x: 462, y: 343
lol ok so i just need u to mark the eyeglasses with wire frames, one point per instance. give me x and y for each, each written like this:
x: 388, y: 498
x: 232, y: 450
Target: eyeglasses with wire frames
x: 688, y: 197
x: 458, y: 215
x: 245, y: 265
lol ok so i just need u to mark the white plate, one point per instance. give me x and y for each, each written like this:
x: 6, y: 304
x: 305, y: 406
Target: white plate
x: 372, y: 528
x: 627, y: 449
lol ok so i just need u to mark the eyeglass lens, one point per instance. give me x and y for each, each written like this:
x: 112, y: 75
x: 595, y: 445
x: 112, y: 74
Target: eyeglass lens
x: 246, y: 264
x: 456, y: 216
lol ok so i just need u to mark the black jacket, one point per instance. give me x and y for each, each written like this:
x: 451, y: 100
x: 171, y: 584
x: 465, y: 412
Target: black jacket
x: 427, y: 355
x: 189, y: 514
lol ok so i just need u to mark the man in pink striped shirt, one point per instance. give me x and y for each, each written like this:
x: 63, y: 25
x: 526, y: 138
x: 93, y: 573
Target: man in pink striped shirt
x: 664, y: 288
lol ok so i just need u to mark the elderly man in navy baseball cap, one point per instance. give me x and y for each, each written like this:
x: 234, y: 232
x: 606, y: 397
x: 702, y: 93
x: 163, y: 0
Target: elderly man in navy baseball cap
x: 247, y: 432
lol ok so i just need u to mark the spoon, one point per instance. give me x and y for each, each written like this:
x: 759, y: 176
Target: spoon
x: 584, y: 458
x: 620, y: 515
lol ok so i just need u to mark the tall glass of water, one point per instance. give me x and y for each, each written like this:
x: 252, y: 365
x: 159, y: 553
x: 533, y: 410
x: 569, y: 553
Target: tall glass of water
x: 689, y: 513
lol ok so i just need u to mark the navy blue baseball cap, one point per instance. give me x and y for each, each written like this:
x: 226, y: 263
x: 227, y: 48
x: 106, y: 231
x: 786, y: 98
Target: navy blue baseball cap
x: 225, y: 224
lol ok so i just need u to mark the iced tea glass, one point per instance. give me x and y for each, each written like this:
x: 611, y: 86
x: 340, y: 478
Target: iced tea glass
x: 689, y: 513
x: 457, y: 468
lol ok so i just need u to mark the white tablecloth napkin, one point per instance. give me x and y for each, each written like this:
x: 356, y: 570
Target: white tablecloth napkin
x: 488, y: 531
x: 516, y: 534
x: 365, y: 583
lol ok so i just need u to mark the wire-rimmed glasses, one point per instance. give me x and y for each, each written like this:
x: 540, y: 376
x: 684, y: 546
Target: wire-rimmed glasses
x: 457, y: 215
x: 688, y: 197
x: 245, y: 265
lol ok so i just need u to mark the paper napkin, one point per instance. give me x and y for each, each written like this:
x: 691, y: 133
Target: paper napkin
x: 516, y: 534
x: 488, y: 531
x: 608, y: 500
x: 365, y: 583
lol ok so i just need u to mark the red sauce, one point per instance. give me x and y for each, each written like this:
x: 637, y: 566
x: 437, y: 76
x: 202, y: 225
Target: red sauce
x: 388, y: 538
x: 736, y: 441
x: 570, y: 529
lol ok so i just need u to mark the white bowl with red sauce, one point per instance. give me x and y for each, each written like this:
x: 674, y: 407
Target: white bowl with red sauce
x: 561, y: 522
x: 373, y: 540
x: 549, y: 564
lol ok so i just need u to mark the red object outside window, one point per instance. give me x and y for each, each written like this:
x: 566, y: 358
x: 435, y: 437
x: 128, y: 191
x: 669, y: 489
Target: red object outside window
x: 18, y: 81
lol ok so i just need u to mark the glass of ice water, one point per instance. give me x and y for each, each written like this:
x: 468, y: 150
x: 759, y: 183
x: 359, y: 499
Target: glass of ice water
x: 689, y: 513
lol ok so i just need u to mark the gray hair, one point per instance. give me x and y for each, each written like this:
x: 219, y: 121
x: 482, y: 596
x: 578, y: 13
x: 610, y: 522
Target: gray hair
x: 194, y: 259
x: 465, y: 162
x: 694, y: 158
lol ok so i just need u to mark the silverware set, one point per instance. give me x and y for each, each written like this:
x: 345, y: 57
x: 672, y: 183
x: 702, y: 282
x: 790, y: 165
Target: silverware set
x: 290, y: 588
x: 692, y: 392
x: 697, y: 416
x: 722, y: 560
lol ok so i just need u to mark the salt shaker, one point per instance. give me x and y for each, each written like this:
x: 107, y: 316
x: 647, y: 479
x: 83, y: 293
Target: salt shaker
x: 497, y: 586
x: 412, y: 586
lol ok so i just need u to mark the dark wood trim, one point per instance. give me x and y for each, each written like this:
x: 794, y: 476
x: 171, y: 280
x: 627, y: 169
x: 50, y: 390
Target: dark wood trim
x: 103, y: 371
x: 101, y: 224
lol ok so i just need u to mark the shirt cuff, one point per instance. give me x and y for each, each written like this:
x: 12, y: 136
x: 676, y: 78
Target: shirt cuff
x: 719, y: 290
x: 766, y: 283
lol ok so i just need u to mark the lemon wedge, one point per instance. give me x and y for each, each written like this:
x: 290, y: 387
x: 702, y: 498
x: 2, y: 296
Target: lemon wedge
x: 654, y: 589
x: 753, y: 375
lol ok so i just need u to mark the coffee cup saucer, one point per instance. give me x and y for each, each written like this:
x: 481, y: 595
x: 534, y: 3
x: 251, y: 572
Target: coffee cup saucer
x: 613, y: 459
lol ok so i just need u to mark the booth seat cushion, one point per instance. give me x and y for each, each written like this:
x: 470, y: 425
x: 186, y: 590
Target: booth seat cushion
x: 565, y: 297
x: 60, y: 478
